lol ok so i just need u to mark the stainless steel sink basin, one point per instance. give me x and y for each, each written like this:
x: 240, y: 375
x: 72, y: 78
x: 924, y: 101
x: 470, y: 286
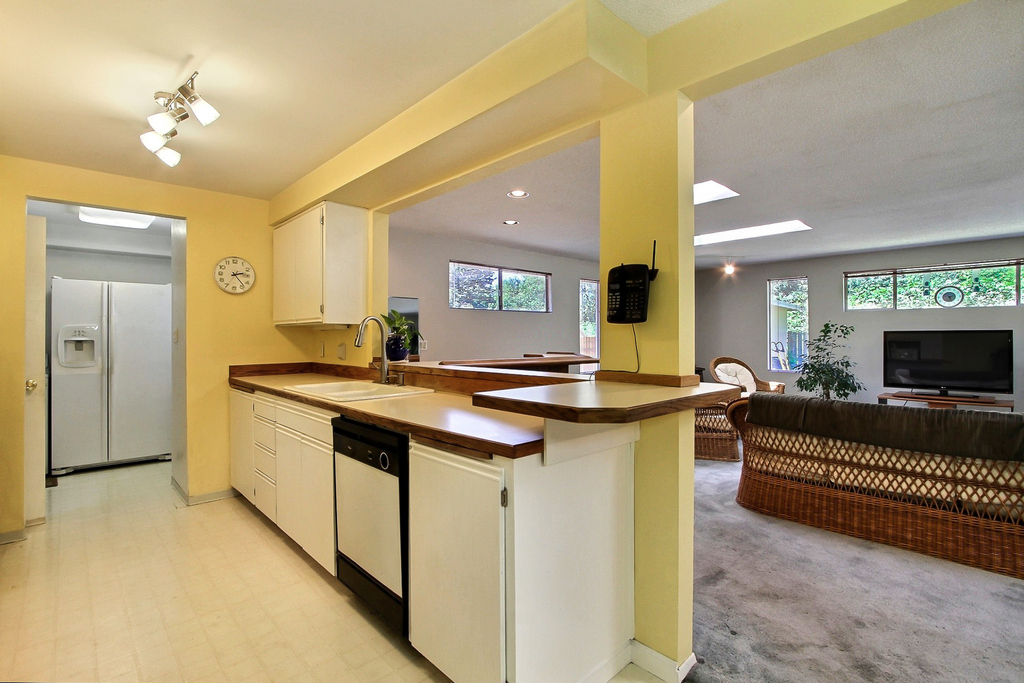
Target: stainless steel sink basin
x: 355, y: 391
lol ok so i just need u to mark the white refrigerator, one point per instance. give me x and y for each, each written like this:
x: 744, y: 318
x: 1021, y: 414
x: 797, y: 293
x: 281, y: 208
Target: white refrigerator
x: 110, y: 372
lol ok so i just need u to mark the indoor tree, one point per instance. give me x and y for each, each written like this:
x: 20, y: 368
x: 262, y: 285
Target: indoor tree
x: 823, y: 371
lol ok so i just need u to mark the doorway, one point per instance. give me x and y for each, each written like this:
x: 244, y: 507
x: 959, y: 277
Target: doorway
x: 104, y: 343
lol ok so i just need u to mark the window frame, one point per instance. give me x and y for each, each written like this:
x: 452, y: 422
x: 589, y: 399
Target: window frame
x: 894, y: 273
x: 548, y: 308
x: 768, y: 317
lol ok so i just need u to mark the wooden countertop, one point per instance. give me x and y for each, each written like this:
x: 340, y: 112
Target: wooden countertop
x: 604, y: 402
x: 443, y: 419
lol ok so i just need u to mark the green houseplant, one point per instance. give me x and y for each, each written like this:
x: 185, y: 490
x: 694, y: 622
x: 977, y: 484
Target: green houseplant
x: 403, y: 334
x: 823, y: 371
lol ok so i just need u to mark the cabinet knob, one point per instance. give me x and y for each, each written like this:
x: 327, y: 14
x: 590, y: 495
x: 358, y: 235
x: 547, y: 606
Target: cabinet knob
x: 31, y: 385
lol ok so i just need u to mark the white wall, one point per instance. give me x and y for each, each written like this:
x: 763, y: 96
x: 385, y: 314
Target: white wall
x: 419, y: 268
x: 732, y: 318
x: 91, y: 265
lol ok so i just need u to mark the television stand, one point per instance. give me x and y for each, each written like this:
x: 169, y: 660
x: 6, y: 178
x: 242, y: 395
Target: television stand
x: 910, y: 395
x: 947, y: 402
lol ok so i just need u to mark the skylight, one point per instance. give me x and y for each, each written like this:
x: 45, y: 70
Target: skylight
x: 710, y: 191
x: 749, y: 233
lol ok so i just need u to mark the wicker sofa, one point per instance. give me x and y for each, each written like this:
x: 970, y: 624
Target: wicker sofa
x: 941, y: 482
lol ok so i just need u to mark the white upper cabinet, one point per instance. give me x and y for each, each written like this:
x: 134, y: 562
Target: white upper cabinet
x: 321, y: 266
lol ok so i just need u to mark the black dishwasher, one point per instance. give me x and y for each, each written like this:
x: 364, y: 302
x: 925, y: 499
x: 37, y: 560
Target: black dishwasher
x: 371, y: 466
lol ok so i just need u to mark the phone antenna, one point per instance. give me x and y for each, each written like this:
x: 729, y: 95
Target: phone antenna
x: 654, y: 261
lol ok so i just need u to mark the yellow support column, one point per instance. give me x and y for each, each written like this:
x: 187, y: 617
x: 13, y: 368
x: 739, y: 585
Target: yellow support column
x: 646, y: 195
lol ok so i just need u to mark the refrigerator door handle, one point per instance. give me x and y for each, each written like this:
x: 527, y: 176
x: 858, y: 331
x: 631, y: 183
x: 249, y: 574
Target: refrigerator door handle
x: 108, y: 306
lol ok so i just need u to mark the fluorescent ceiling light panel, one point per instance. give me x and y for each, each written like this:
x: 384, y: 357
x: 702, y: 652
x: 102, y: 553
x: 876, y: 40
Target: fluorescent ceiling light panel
x: 115, y: 219
x: 749, y: 233
x: 710, y: 191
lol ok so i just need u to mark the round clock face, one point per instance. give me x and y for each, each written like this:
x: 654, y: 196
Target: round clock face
x: 949, y: 296
x: 234, y: 275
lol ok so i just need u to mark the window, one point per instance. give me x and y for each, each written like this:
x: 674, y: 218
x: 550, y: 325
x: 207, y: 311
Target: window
x: 493, y: 288
x: 590, y: 318
x: 962, y: 285
x: 787, y: 323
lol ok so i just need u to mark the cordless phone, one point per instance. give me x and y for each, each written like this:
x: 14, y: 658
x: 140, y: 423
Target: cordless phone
x: 629, y: 289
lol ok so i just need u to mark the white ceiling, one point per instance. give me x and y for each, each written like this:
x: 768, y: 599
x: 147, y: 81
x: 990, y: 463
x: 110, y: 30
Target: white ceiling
x: 295, y: 82
x: 911, y: 138
x: 559, y: 217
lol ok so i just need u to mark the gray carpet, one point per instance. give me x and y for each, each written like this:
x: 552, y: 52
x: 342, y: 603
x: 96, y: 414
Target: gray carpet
x: 779, y: 601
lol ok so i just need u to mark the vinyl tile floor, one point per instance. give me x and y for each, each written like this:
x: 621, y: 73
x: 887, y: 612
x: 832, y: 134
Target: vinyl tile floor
x: 126, y: 583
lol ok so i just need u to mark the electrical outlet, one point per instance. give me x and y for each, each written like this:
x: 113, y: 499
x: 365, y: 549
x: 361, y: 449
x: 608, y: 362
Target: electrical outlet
x: 423, y: 344
x: 342, y: 351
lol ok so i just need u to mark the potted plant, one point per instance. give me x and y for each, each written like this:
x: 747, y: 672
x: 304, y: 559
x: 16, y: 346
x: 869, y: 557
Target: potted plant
x: 403, y: 334
x: 822, y: 371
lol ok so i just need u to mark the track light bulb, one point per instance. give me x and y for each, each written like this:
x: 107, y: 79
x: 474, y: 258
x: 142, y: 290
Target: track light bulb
x: 165, y: 121
x: 204, y: 111
x: 168, y: 156
x: 153, y: 140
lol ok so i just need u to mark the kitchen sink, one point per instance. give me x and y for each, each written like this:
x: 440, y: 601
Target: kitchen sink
x: 355, y: 391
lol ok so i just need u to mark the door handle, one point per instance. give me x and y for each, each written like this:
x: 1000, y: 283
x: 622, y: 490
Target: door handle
x: 31, y: 385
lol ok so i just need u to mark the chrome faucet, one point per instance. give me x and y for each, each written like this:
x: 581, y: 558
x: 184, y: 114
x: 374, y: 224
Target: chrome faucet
x: 383, y: 342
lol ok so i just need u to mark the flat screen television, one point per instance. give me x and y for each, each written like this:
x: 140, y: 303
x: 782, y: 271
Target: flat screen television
x: 950, y: 360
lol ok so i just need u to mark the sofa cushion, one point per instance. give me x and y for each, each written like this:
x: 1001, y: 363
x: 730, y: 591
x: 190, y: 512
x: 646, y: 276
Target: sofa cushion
x: 958, y: 433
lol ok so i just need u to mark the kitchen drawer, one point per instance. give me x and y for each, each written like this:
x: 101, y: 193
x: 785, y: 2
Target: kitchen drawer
x: 266, y: 496
x: 311, y: 423
x: 265, y: 462
x: 263, y: 434
x: 265, y: 409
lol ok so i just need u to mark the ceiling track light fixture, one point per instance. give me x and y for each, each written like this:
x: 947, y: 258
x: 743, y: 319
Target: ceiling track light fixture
x: 176, y: 109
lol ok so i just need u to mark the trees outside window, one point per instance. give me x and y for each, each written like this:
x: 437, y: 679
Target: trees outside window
x: 494, y: 288
x: 787, y: 323
x: 590, y: 321
x: 964, y: 285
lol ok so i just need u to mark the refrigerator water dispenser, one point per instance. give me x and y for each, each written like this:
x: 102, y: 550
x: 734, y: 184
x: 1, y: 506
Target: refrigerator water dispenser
x: 78, y: 346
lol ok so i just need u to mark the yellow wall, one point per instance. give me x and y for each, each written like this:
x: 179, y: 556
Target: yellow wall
x: 222, y: 328
x: 646, y: 195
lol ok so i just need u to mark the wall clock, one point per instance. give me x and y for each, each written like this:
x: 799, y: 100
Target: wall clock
x: 234, y: 275
x: 949, y: 296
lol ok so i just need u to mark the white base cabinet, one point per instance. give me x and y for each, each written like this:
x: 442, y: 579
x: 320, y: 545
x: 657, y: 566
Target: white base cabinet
x: 457, y: 564
x: 282, y: 461
x: 540, y: 591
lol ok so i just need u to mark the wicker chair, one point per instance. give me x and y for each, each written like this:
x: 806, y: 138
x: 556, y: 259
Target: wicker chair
x: 715, y: 438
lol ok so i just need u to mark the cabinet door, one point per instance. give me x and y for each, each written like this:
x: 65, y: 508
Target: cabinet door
x: 241, y: 422
x: 284, y: 274
x: 318, y: 495
x: 309, y: 266
x: 290, y: 504
x: 457, y: 565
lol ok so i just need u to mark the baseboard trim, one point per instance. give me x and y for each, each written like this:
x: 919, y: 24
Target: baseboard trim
x: 202, y: 498
x: 12, y: 536
x: 35, y: 522
x: 659, y: 665
x: 606, y: 671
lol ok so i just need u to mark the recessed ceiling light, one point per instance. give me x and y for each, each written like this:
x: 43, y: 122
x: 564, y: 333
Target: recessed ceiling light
x: 518, y: 194
x: 710, y: 191
x: 511, y: 222
x: 729, y: 269
x: 748, y: 233
x: 115, y: 219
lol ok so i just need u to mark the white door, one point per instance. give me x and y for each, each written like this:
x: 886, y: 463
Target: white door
x: 139, y: 369
x: 309, y: 266
x: 284, y: 274
x: 457, y: 564
x: 241, y: 411
x: 78, y: 373
x: 35, y: 369
x: 290, y: 503
x: 318, y: 494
